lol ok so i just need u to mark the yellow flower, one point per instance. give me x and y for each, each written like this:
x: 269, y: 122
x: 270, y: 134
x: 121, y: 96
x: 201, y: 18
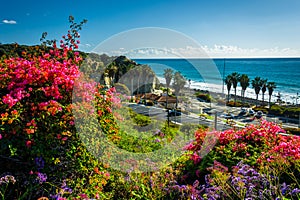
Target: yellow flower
x: 56, y: 161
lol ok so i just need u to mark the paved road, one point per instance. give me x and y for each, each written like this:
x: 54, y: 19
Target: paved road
x: 161, y: 114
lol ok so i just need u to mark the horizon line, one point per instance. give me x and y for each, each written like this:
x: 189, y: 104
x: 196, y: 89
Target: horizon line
x: 149, y: 58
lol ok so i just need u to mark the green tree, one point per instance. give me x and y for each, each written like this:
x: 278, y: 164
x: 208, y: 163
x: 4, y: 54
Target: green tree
x: 138, y: 75
x: 271, y: 86
x: 235, y: 77
x: 178, y: 82
x: 148, y: 76
x: 228, y: 84
x: 256, y: 85
x: 122, y: 88
x: 112, y: 73
x: 263, y: 89
x: 168, y: 74
x: 245, y: 82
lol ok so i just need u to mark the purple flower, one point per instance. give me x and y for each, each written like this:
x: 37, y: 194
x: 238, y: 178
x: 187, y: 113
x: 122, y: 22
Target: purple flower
x: 157, y: 140
x: 127, y: 178
x: 41, y: 178
x: 55, y: 196
x: 284, y: 188
x: 40, y: 163
x: 295, y: 191
x: 66, y: 188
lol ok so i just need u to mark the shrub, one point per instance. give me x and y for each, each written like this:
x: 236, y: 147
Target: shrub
x: 293, y: 131
x: 263, y: 109
x: 204, y: 97
x: 276, y: 110
x: 254, y: 162
x: 292, y: 112
x: 139, y: 119
x: 39, y: 143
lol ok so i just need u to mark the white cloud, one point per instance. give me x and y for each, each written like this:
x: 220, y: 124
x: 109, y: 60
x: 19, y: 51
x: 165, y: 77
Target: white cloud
x: 5, y: 21
x: 217, y: 51
x: 237, y: 52
x: 85, y: 47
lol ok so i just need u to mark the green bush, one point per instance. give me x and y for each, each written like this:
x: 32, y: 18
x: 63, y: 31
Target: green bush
x: 263, y: 109
x: 232, y: 104
x: 292, y: 112
x: 139, y: 119
x: 276, y: 110
x: 293, y: 131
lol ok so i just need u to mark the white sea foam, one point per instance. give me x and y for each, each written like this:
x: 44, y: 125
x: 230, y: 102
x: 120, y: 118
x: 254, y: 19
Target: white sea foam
x: 250, y: 93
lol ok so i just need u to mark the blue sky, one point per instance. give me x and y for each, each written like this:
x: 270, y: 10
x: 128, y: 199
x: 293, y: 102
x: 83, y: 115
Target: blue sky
x: 224, y: 28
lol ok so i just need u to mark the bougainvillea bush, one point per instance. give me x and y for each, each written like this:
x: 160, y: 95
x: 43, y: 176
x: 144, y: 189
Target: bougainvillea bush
x: 39, y: 144
x: 257, y: 162
x: 42, y: 154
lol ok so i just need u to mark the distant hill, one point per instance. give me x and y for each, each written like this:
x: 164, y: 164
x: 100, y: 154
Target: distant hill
x: 111, y: 70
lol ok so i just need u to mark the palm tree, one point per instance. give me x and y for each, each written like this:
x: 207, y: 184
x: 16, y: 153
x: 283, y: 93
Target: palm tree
x: 112, y: 74
x: 263, y: 89
x: 138, y: 72
x: 271, y: 86
x: 256, y: 84
x: 245, y: 82
x: 235, y: 77
x: 178, y: 83
x: 228, y: 84
x: 168, y: 74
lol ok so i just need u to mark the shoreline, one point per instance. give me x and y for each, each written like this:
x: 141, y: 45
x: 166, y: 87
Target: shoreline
x: 285, y: 97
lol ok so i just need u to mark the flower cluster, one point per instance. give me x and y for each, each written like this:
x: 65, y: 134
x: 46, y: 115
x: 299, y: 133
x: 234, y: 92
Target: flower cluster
x: 64, y: 189
x: 7, y: 179
x: 41, y: 177
x: 244, y: 182
x: 23, y: 77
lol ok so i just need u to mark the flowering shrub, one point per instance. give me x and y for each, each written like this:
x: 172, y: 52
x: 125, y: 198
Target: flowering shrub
x: 251, y: 144
x: 243, y: 182
x: 256, y: 162
x: 39, y: 143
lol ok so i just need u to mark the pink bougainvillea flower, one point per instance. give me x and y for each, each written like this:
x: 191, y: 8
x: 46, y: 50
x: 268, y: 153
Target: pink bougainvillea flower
x: 28, y: 143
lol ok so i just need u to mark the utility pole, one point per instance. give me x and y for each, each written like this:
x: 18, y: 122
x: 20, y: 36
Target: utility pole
x: 167, y: 107
x: 216, y: 120
x: 132, y: 89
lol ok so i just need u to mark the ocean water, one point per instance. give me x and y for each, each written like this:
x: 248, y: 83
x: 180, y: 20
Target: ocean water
x: 209, y: 73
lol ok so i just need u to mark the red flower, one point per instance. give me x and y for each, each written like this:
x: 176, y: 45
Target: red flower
x: 28, y: 143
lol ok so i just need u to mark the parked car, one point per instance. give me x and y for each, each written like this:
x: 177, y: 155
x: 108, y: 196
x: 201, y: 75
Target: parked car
x: 243, y: 111
x: 228, y: 116
x: 259, y: 114
x: 174, y: 113
x: 251, y: 112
